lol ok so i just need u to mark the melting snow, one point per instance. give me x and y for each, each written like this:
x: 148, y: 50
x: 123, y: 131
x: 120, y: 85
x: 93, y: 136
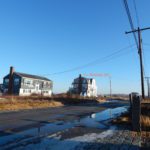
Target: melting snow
x: 53, y: 142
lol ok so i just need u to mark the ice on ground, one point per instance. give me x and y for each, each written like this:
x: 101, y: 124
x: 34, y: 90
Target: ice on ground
x: 93, y: 136
x: 53, y: 142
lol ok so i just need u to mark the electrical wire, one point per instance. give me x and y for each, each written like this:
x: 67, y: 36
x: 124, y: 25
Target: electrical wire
x: 143, y: 50
x: 132, y: 28
x: 138, y: 23
x: 130, y: 21
x: 95, y: 62
x: 144, y: 57
x: 136, y: 12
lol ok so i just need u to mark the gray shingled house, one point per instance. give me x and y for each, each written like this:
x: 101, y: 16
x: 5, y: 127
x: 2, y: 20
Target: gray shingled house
x: 23, y: 84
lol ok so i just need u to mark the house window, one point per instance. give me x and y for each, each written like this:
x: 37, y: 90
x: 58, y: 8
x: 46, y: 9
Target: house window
x: 16, y: 81
x: 6, y: 81
x: 45, y: 91
x: 28, y: 82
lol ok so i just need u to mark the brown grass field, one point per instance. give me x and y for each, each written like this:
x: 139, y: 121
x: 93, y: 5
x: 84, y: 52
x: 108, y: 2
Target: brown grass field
x: 9, y: 103
x: 145, y: 116
x: 12, y: 104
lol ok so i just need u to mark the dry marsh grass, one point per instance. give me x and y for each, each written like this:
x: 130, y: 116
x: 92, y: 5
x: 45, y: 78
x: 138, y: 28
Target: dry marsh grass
x: 13, y: 104
x: 146, y: 100
x: 38, y: 101
x: 145, y: 116
x: 145, y: 121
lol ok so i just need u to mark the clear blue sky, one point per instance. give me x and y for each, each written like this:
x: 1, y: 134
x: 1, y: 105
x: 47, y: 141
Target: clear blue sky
x: 48, y: 36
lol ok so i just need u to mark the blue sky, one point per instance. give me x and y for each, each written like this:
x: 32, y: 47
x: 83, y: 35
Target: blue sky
x: 47, y: 36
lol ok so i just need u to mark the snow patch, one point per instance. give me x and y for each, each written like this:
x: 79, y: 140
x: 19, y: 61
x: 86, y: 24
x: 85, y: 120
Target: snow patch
x: 93, y: 136
x: 53, y: 142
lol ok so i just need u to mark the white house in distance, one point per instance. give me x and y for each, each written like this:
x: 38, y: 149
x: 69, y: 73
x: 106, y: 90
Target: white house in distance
x: 84, y: 86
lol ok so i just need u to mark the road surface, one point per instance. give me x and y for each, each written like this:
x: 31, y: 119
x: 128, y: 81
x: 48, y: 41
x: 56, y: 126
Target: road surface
x: 69, y: 127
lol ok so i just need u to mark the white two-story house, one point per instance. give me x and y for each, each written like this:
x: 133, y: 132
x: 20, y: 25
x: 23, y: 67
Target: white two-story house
x: 84, y: 86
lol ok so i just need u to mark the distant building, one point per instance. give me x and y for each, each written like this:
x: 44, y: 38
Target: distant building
x: 23, y: 84
x: 84, y: 86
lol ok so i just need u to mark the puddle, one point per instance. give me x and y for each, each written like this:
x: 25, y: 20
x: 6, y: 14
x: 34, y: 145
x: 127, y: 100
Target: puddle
x: 109, y: 113
x: 95, y: 120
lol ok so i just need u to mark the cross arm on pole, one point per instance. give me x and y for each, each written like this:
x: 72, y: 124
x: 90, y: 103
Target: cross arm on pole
x: 139, y: 47
x: 136, y: 30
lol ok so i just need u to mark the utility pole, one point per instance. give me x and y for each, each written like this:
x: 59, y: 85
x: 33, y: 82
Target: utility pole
x: 140, y: 55
x: 148, y: 86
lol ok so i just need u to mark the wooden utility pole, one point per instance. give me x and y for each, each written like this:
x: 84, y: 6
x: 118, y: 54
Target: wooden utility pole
x: 140, y: 55
x: 148, y: 86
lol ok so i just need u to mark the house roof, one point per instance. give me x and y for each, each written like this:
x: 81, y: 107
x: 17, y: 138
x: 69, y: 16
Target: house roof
x: 76, y: 80
x: 31, y: 76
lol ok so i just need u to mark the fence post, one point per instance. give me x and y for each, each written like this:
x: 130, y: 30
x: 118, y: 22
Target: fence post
x: 136, y: 111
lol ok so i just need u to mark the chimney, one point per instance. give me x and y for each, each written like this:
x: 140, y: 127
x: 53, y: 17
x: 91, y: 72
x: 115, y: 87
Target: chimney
x: 80, y: 85
x: 80, y: 75
x: 10, y: 86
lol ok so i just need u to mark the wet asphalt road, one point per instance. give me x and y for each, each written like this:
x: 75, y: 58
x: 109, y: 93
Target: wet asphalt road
x: 20, y: 120
x: 23, y: 125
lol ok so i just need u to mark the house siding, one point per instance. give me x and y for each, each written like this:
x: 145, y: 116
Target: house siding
x: 24, y: 86
x: 30, y: 86
x: 15, y: 85
x: 84, y: 86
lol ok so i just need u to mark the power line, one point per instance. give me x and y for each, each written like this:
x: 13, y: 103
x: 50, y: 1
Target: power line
x: 141, y: 58
x: 145, y: 62
x: 136, y: 12
x: 138, y: 23
x: 130, y: 21
x: 139, y: 43
x: 97, y: 61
